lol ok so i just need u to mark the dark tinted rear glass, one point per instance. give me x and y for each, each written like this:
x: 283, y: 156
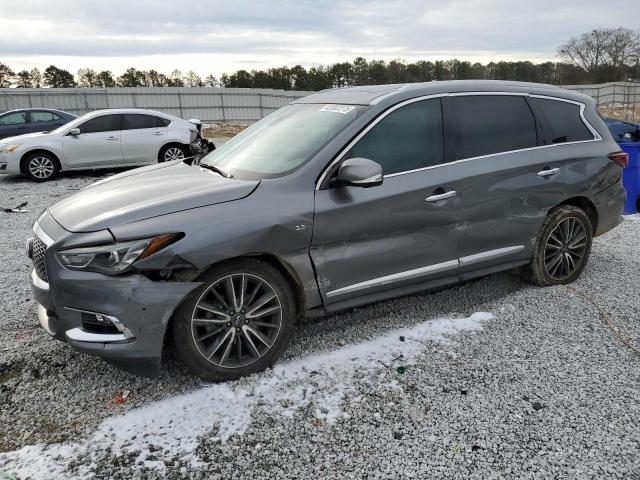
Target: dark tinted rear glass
x: 137, y: 121
x: 407, y: 139
x: 492, y: 124
x: 105, y: 123
x: 561, y: 121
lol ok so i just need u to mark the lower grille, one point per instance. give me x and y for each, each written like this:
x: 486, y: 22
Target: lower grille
x: 38, y: 259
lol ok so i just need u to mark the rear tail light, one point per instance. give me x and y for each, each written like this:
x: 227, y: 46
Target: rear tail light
x: 621, y: 158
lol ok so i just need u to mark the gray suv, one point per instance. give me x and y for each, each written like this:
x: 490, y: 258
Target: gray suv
x: 342, y: 198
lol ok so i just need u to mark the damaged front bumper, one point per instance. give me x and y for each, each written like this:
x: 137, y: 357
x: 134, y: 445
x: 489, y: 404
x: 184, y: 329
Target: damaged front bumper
x: 120, y: 318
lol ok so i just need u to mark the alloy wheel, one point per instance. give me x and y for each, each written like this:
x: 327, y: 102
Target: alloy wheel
x: 173, y: 153
x: 236, y: 320
x: 565, y: 248
x: 41, y: 167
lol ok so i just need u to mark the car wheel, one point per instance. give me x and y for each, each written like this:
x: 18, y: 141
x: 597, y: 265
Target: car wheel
x: 238, y: 323
x: 169, y: 153
x: 561, y: 249
x: 40, y: 166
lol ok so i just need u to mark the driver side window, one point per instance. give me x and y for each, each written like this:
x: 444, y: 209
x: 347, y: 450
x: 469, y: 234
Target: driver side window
x: 409, y: 138
x: 105, y: 123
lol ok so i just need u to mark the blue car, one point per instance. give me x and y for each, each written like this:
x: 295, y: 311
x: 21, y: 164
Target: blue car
x: 30, y: 120
x: 623, y: 131
x: 627, y: 134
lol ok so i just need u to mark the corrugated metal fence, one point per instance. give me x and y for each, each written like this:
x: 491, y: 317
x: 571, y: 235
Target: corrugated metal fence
x: 222, y: 104
x: 206, y: 103
x: 612, y: 93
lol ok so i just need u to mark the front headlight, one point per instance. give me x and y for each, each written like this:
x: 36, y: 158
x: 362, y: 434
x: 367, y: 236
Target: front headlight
x: 116, y: 258
x: 9, y: 147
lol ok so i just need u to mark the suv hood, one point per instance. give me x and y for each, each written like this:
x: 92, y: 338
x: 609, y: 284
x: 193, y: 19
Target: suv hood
x: 144, y: 193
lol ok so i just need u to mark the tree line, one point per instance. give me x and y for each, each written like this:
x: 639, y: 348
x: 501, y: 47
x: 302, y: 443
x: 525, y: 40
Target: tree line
x: 600, y: 55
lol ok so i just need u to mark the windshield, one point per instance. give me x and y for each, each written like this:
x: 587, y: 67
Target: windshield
x: 282, y: 141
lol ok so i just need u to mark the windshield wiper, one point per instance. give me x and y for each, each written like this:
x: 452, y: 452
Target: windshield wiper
x: 215, y: 169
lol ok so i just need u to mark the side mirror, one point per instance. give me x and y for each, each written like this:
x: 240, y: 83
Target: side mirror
x: 359, y: 172
x: 74, y: 132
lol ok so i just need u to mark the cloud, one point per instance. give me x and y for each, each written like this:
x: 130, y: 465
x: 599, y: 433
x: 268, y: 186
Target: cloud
x: 262, y: 34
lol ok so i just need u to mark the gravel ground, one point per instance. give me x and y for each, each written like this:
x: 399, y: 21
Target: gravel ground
x: 427, y: 386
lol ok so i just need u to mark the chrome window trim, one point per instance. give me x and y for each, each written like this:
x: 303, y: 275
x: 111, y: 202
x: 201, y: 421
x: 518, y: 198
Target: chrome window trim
x: 42, y: 235
x: 395, y: 277
x: 343, y: 152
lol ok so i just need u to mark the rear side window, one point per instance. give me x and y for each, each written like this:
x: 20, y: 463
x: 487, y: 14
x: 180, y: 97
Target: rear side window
x: 14, y: 118
x: 138, y: 121
x: 163, y: 122
x: 489, y: 124
x: 42, y: 116
x: 105, y: 123
x: 561, y: 121
x: 407, y: 139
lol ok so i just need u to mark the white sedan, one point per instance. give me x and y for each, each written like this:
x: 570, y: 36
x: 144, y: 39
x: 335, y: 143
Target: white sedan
x: 100, y: 139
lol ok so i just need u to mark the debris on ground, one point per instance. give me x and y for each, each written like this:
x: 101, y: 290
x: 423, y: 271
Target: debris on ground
x: 222, y: 130
x: 630, y: 113
x: 121, y: 397
x: 17, y: 209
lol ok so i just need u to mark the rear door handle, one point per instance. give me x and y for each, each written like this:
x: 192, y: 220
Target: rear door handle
x: 158, y: 134
x: 112, y: 138
x: 548, y: 172
x: 441, y: 196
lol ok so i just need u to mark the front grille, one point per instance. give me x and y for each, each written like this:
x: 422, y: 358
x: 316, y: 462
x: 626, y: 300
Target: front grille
x: 38, y: 259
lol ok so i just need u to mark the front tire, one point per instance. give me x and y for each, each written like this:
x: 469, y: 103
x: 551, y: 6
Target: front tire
x: 41, y: 166
x: 561, y: 249
x: 238, y: 323
x: 172, y: 152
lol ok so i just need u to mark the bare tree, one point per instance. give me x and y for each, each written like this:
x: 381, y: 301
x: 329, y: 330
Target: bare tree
x: 6, y: 75
x: 211, y: 81
x: 192, y: 79
x: 623, y: 47
x: 87, y: 77
x: 36, y: 78
x: 588, y: 51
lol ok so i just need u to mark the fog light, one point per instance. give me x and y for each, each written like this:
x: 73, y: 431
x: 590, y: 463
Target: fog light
x: 100, y: 323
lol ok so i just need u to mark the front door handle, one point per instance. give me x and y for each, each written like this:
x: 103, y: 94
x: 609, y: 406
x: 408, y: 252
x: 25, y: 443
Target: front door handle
x: 112, y: 138
x: 441, y: 196
x: 547, y: 172
x: 158, y: 134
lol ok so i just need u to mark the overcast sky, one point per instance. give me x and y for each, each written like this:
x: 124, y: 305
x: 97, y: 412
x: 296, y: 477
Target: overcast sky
x: 223, y: 36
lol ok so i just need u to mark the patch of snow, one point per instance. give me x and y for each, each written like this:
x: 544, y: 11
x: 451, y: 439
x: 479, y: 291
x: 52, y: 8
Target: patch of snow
x: 175, y: 424
x: 634, y: 217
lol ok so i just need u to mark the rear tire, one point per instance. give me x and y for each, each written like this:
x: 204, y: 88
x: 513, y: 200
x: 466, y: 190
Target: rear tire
x: 173, y: 151
x: 561, y: 249
x: 41, y: 166
x: 245, y: 302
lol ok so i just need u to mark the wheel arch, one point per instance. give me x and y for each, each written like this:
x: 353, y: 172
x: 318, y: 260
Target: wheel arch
x: 585, y: 204
x: 286, y: 270
x: 23, y: 158
x: 171, y: 143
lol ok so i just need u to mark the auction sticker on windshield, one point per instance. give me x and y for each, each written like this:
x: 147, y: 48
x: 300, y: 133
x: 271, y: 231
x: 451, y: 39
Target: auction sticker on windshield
x: 344, y: 109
